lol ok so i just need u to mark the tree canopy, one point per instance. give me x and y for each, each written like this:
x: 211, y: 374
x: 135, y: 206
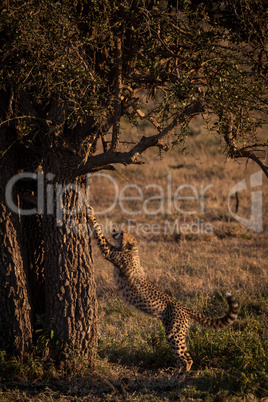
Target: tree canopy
x: 70, y: 70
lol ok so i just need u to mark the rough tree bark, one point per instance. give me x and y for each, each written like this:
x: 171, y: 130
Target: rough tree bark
x: 15, y: 310
x: 71, y: 306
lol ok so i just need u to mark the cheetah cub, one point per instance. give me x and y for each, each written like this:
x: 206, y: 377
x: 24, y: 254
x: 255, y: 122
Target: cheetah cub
x: 140, y: 293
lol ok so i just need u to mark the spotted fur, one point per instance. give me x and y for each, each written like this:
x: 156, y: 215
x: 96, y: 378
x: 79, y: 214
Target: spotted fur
x: 143, y: 295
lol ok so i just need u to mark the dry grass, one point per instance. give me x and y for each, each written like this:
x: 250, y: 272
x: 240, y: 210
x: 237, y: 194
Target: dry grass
x: 198, y: 269
x: 230, y: 257
x: 195, y: 268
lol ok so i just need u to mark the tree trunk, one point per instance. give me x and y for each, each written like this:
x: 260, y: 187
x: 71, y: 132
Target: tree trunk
x: 36, y: 254
x: 71, y: 306
x: 15, y: 310
x: 34, y: 260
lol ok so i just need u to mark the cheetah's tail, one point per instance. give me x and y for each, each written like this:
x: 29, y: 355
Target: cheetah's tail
x: 218, y: 323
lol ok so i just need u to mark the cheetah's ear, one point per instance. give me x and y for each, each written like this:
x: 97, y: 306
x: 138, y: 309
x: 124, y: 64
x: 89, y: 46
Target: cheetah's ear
x: 129, y: 245
x: 128, y: 242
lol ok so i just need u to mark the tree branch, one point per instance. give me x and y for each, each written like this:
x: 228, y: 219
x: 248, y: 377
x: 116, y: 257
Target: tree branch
x: 118, y: 94
x: 97, y: 162
x: 8, y: 121
x: 250, y: 155
x: 234, y: 151
x: 151, y: 119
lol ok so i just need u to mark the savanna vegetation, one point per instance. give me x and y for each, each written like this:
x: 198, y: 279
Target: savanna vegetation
x: 134, y: 361
x: 88, y: 87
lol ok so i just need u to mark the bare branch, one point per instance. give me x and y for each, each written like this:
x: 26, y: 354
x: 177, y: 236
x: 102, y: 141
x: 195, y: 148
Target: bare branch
x: 106, y: 167
x: 124, y: 142
x: 148, y: 117
x: 252, y: 156
x: 97, y: 162
x: 234, y: 151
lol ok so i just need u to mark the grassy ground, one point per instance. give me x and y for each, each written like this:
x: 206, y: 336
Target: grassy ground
x: 213, y: 255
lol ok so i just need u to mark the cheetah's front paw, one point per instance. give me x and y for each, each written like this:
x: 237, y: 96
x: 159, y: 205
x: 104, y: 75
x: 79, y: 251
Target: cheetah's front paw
x: 90, y: 211
x: 90, y: 214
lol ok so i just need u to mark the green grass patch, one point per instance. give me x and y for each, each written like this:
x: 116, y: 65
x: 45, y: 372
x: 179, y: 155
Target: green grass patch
x: 132, y: 338
x: 233, y: 361
x: 229, y: 364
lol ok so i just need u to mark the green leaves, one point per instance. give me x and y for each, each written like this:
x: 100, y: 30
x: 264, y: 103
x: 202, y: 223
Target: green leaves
x: 173, y: 53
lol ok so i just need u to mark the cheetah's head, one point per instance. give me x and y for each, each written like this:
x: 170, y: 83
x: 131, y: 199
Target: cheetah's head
x: 123, y: 240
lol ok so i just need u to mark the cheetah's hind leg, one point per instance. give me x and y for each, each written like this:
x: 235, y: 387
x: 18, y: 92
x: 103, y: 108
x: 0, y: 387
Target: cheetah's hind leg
x: 184, y: 363
x: 177, y: 343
